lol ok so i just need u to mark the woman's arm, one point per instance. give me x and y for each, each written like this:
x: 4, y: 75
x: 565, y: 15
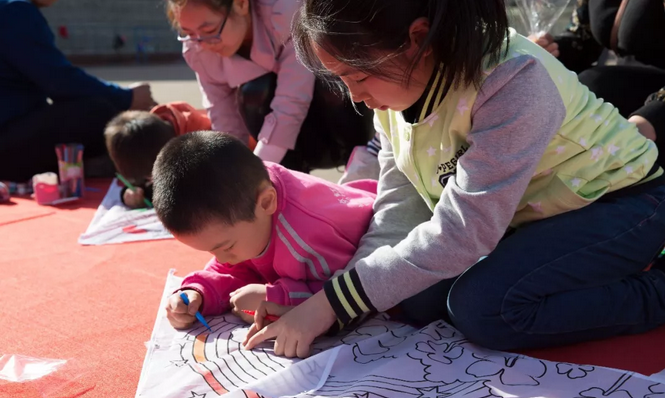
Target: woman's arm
x: 27, y: 43
x: 220, y: 102
x: 517, y: 113
x: 294, y: 91
x: 293, y: 96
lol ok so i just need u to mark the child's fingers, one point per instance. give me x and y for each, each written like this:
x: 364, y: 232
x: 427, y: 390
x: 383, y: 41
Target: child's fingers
x: 268, y: 308
x: 134, y: 199
x: 180, y: 321
x: 251, y: 332
x: 262, y: 335
x: 176, y: 305
x: 195, y: 301
x: 554, y: 50
x: 303, y: 349
x: 281, y: 344
x: 291, y: 347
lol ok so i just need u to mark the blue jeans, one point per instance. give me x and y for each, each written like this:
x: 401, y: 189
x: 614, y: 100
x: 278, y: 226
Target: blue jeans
x: 573, y: 277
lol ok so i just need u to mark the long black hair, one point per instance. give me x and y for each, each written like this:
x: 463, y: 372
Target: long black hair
x: 370, y: 35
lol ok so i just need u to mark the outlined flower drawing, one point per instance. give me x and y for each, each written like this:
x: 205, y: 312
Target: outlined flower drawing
x: 376, y: 349
x: 471, y: 389
x: 657, y: 391
x: 436, y: 358
x: 439, y: 331
x: 512, y: 370
x: 614, y: 391
x: 179, y: 363
x: 573, y: 371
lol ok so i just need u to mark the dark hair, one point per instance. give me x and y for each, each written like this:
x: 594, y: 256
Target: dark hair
x: 172, y: 5
x: 133, y: 140
x: 206, y: 176
x: 370, y: 35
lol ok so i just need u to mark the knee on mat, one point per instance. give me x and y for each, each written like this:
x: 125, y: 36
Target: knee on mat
x: 478, y: 318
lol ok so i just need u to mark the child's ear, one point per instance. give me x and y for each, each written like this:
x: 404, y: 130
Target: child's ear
x: 418, y: 32
x: 241, y: 7
x: 267, y: 201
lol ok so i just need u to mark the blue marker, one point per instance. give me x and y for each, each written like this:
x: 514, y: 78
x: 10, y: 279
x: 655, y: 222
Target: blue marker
x: 198, y: 315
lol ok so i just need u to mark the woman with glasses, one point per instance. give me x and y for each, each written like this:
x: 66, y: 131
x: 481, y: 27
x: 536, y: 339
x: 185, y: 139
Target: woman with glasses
x: 253, y: 85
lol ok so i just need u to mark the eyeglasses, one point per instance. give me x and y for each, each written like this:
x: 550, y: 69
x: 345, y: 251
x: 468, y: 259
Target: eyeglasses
x: 210, y: 39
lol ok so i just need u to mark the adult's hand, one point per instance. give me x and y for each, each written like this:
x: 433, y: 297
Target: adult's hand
x: 295, y: 331
x: 141, y: 97
x: 547, y: 42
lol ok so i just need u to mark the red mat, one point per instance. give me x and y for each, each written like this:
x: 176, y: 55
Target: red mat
x: 96, y: 306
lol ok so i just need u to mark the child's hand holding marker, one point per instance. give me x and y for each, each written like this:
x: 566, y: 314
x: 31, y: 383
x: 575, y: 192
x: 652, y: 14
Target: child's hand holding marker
x: 132, y: 188
x: 182, y: 315
x: 267, y: 313
x: 134, y: 199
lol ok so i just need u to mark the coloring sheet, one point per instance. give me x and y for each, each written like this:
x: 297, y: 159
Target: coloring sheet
x: 378, y: 359
x: 115, y: 223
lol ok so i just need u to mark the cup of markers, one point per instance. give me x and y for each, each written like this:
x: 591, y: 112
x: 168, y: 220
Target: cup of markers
x: 70, y: 170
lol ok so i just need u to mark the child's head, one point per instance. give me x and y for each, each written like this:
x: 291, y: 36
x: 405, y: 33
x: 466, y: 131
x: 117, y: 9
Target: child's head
x: 385, y: 51
x: 214, y: 195
x: 133, y: 140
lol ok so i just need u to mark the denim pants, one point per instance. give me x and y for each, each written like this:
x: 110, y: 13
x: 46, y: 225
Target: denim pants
x: 573, y: 277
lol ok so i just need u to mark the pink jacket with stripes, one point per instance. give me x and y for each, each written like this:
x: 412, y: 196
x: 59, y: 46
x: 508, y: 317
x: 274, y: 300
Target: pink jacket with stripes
x: 315, y: 232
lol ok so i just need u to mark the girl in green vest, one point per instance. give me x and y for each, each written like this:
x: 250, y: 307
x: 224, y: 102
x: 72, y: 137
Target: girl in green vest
x: 491, y: 150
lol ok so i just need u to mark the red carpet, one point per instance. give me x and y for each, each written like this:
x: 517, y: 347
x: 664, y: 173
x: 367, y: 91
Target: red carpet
x: 96, y: 306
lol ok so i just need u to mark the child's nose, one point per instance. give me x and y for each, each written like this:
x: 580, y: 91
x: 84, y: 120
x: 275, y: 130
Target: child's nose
x: 359, y: 96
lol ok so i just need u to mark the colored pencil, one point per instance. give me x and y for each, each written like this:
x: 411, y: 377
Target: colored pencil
x: 131, y: 187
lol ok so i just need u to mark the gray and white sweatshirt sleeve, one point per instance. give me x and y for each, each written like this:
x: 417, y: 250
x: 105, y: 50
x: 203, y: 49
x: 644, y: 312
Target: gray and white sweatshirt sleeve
x: 407, y: 248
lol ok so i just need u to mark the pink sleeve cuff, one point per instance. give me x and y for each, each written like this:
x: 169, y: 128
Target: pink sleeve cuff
x: 277, y: 294
x: 211, y: 303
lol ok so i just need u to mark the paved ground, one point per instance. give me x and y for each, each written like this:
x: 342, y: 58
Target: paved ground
x: 171, y: 82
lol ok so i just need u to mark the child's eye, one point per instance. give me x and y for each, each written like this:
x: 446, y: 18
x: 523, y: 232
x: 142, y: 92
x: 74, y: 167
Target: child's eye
x: 362, y: 80
x: 228, y: 249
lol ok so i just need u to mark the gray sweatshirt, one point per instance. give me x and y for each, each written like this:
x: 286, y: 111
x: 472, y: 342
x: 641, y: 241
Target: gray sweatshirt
x: 408, y: 248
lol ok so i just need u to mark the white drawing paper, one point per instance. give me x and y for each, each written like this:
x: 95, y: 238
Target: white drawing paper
x: 380, y: 358
x: 115, y: 223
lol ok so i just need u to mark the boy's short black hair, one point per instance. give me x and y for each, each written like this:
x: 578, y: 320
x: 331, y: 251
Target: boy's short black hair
x: 133, y: 140
x: 203, y: 177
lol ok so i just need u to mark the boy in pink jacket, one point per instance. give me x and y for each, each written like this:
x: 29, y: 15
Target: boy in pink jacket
x: 276, y: 234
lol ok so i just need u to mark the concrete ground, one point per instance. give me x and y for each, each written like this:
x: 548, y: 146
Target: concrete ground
x: 171, y: 82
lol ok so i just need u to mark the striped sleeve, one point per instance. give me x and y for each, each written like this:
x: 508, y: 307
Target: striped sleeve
x: 374, y: 145
x: 347, y: 297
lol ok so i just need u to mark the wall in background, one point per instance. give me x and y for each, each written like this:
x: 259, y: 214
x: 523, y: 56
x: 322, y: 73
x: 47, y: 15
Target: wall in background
x: 97, y: 27
x: 86, y: 29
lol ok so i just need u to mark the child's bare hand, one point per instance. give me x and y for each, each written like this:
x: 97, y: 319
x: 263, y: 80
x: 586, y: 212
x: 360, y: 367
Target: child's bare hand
x: 259, y: 320
x: 133, y: 200
x: 183, y: 316
x: 295, y: 331
x: 247, y: 298
x: 644, y: 126
x: 547, y: 42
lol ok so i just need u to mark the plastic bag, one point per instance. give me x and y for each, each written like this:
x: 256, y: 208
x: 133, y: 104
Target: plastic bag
x: 539, y: 16
x: 28, y: 377
x: 18, y: 368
